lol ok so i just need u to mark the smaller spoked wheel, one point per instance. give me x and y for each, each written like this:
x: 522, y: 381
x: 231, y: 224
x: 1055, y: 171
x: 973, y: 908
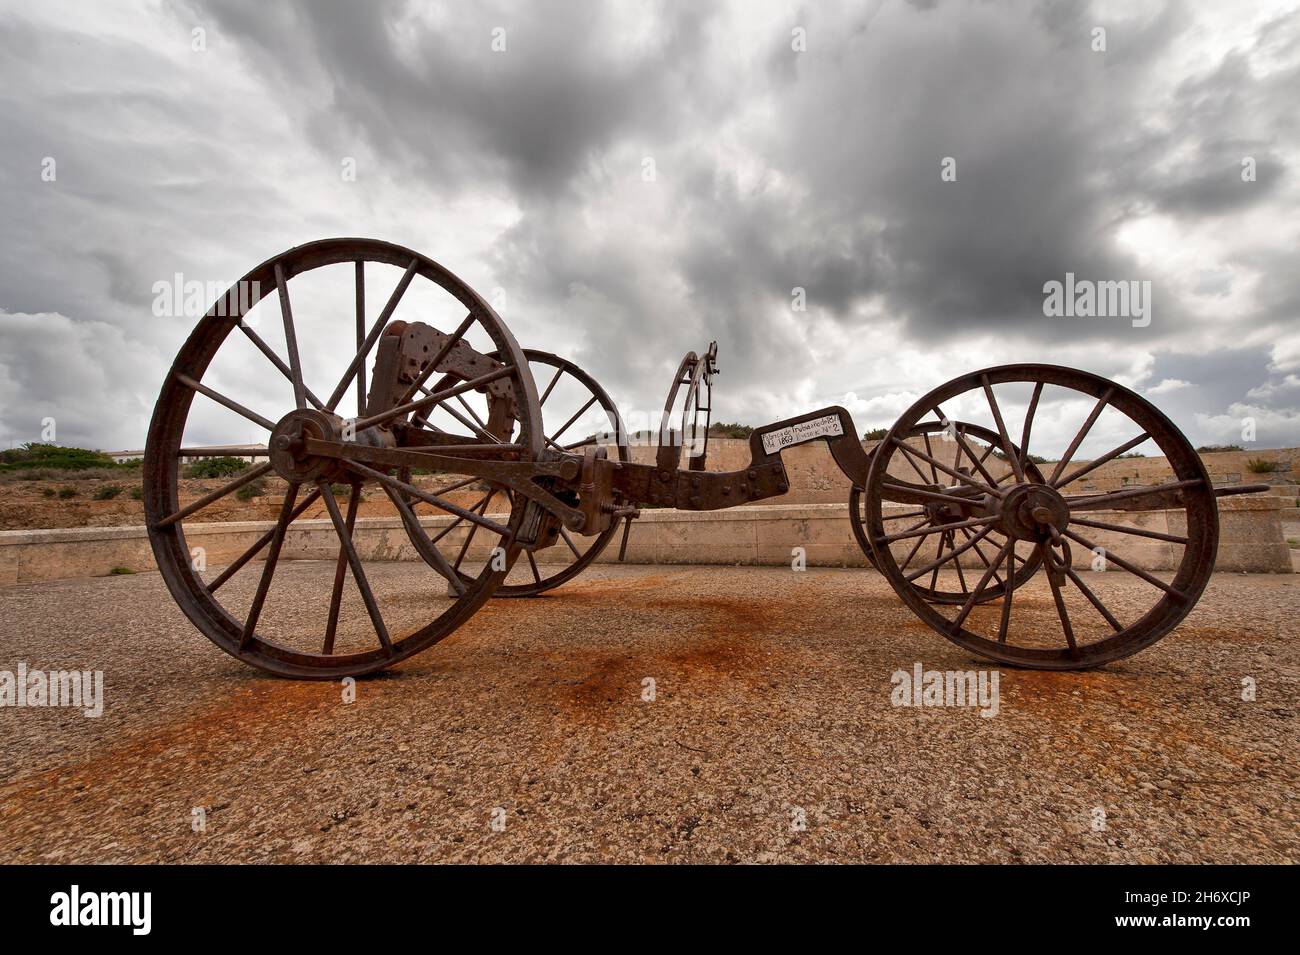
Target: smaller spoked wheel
x: 949, y: 523
x: 689, y: 406
x: 1104, y: 555
x: 577, y: 412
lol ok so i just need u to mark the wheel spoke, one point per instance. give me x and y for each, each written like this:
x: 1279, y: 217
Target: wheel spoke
x: 376, y: 330
x: 248, y: 476
x: 482, y: 425
x: 929, y: 449
x: 966, y: 478
x: 436, y: 397
x: 290, y: 340
x: 576, y: 415
x: 935, y: 564
x: 1098, y: 462
x: 1029, y: 423
x: 469, y: 538
x: 947, y: 528
x: 414, y: 530
x: 230, y: 403
x: 425, y: 496
x: 979, y: 589
x: 572, y: 546
x: 1124, y: 529
x: 1078, y: 438
x: 262, y: 541
x: 912, y: 553
x: 268, y: 567
x: 276, y: 360
x: 458, y: 521
x: 1118, y: 561
x: 957, y: 551
x: 559, y: 372
x: 964, y: 446
x: 1012, y: 457
x: 1050, y: 559
x: 479, y: 429
x: 1092, y: 598
x: 915, y: 467
x: 911, y: 527
x: 532, y: 562
x: 340, y: 571
x: 946, y: 497
x: 979, y: 552
x: 961, y: 575
x: 1008, y: 588
x: 358, y: 572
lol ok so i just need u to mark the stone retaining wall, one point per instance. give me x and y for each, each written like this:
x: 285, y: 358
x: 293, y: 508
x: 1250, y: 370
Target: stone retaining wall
x: 1250, y: 540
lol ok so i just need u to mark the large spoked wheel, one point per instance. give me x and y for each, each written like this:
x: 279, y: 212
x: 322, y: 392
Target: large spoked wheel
x: 254, y: 350
x: 1064, y: 617
x: 950, y: 520
x: 587, y: 415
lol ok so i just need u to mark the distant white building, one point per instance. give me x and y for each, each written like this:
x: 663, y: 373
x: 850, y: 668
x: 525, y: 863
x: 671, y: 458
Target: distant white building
x: 245, y: 452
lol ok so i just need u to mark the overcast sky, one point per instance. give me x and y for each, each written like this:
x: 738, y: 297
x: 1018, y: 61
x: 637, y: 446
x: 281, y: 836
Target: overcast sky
x: 524, y: 169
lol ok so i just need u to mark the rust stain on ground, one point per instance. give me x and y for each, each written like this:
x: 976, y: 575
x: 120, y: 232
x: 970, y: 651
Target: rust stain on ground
x: 1243, y: 635
x: 204, y: 738
x: 1107, y: 700
x: 723, y: 642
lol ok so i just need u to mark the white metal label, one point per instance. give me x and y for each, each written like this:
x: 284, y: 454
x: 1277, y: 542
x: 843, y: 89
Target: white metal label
x: 827, y: 426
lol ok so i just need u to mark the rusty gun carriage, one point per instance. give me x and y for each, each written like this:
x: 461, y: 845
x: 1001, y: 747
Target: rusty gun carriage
x: 459, y: 398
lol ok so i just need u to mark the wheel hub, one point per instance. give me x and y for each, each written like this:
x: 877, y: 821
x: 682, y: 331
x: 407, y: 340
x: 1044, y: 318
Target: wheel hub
x: 288, y: 455
x: 1030, y: 512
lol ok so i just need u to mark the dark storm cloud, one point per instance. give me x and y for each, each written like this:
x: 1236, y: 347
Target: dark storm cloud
x: 434, y: 97
x: 774, y: 169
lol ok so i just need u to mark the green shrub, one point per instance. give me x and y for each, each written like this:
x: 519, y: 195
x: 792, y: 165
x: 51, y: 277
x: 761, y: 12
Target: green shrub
x: 118, y: 571
x: 875, y: 434
x: 49, y: 492
x: 251, y: 490
x: 724, y: 429
x: 58, y: 458
x: 67, y: 492
x: 1260, y: 466
x: 107, y: 492
x: 217, y: 467
x: 137, y: 492
x: 1216, y: 448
